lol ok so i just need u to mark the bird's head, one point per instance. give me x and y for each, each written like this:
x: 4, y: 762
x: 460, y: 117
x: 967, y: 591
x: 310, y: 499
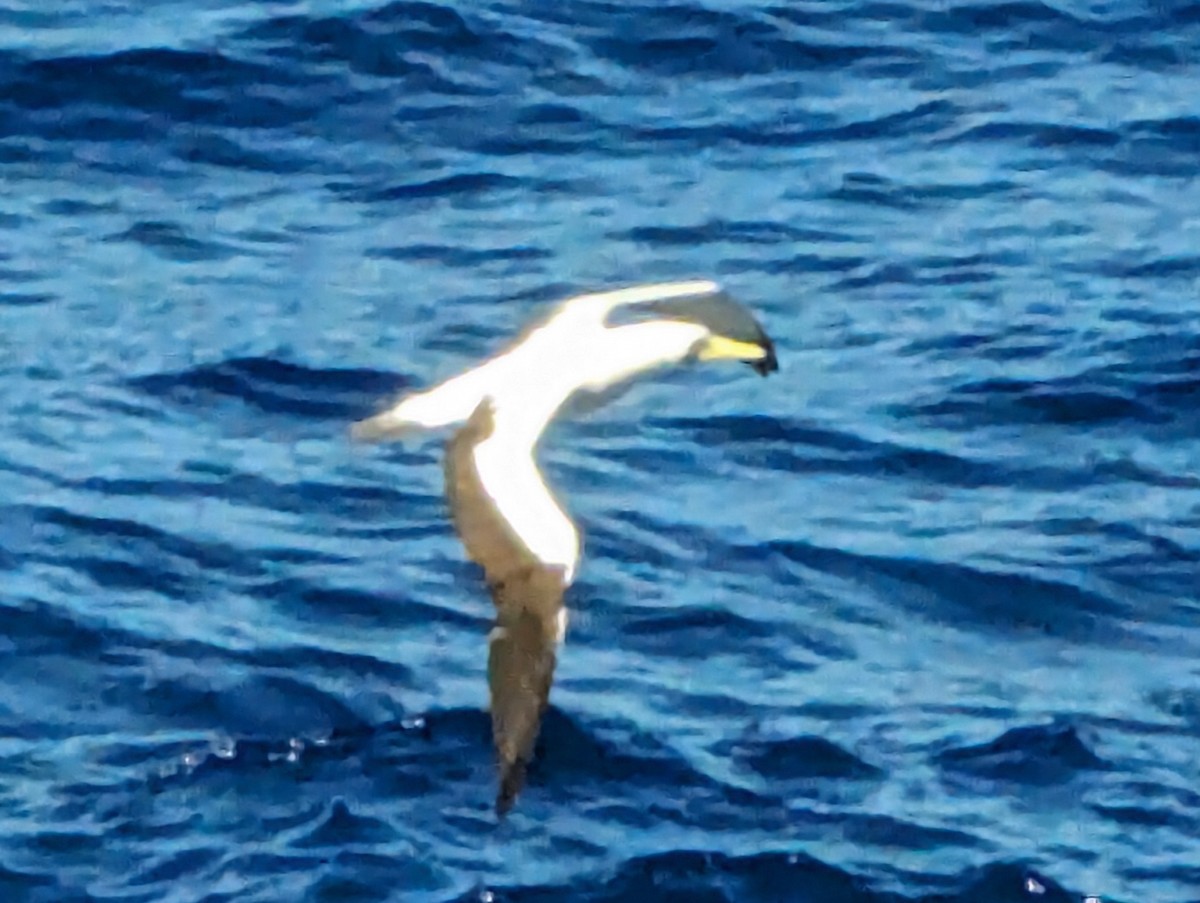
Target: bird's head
x: 730, y: 331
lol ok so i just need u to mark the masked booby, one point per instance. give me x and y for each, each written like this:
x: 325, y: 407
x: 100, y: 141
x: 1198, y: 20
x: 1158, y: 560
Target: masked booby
x: 506, y: 516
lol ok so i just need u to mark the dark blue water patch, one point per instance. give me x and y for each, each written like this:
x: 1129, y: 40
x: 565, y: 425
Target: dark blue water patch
x: 114, y: 574
x: 451, y: 750
x: 433, y: 28
x: 1139, y: 159
x: 357, y: 505
x: 257, y: 706
x: 661, y: 553
x: 1147, y: 52
x: 26, y: 299
x: 411, y: 757
x: 75, y: 847
x: 1154, y: 392
x: 794, y: 264
x: 172, y: 867
x: 341, y: 827
x: 1172, y: 348
x: 1152, y: 550
x: 1177, y: 134
x: 127, y: 109
x: 354, y: 877
x: 399, y: 42
x: 989, y: 600
x: 1149, y: 815
x: 327, y: 606
x: 19, y: 276
x: 1155, y: 146
x: 16, y: 275
x: 868, y: 188
x: 86, y: 121
x: 123, y: 653
x: 575, y: 755
x: 1006, y: 882
x: 709, y: 632
x: 460, y: 184
x: 643, y: 544
x: 801, y: 758
x: 743, y: 49
x: 1036, y: 755
x: 44, y: 629
x: 1178, y: 702
x: 77, y: 207
x: 903, y: 274
x: 679, y: 460
x: 1185, y: 875
x: 1036, y: 134
x: 229, y: 153
x: 1185, y: 266
x: 1171, y: 578
x: 1019, y: 24
x: 30, y: 886
x: 891, y: 832
x: 796, y: 447
x: 734, y: 232
x: 704, y: 42
x: 1011, y: 343
x: 14, y: 150
x: 86, y: 537
x: 1067, y: 401
x: 876, y: 190
x: 499, y: 138
x: 921, y: 119
x: 188, y: 86
x: 451, y: 256
x: 276, y: 387
x: 173, y: 243
x: 686, y: 875
x: 710, y: 877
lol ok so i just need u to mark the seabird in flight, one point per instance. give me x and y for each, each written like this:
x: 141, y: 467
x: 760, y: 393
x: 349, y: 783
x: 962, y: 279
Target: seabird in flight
x: 504, y: 513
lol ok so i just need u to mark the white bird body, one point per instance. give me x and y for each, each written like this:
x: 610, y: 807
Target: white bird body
x: 505, y: 513
x: 528, y: 384
x: 529, y: 398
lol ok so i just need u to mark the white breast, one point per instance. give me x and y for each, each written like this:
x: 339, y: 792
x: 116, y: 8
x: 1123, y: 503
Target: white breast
x: 509, y: 473
x: 571, y: 353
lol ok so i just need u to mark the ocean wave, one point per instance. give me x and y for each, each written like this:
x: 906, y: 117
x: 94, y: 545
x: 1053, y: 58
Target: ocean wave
x: 276, y: 387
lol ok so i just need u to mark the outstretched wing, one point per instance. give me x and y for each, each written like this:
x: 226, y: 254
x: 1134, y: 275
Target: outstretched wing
x: 522, y: 652
x: 528, y: 595
x: 453, y: 401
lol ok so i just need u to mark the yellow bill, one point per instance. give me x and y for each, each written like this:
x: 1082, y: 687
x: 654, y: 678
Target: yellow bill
x: 718, y: 348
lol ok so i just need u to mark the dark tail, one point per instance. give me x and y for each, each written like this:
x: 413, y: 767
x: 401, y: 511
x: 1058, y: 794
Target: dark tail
x: 521, y: 669
x: 512, y: 779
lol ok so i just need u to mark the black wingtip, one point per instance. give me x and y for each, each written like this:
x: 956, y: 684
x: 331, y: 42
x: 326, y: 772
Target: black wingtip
x: 512, y: 779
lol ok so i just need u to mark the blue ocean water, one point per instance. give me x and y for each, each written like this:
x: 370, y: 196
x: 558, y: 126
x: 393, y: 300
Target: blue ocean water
x: 917, y: 619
